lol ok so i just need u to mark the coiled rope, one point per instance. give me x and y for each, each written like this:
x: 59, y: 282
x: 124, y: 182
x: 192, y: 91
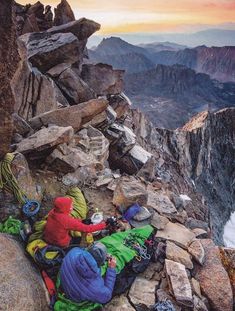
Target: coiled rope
x: 8, y: 180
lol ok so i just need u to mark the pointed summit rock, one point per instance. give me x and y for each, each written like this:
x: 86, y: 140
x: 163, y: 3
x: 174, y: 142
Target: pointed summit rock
x: 63, y: 13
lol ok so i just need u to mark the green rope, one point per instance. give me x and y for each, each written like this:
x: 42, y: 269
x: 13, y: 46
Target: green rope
x: 8, y: 180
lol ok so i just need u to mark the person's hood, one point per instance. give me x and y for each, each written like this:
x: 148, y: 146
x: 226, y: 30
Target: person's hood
x: 99, y: 252
x: 63, y: 205
x: 87, y: 266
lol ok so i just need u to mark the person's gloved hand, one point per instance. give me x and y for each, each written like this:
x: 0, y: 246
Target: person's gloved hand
x: 112, y: 262
x: 111, y: 222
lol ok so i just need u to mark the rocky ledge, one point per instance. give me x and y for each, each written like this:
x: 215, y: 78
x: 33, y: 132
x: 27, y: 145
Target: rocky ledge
x: 73, y: 126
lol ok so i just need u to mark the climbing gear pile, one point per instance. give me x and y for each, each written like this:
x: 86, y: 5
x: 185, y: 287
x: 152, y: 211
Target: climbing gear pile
x: 131, y: 241
x: 42, y: 259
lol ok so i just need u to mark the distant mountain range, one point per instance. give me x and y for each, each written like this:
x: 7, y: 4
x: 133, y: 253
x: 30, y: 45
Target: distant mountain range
x: 218, y: 62
x: 170, y: 95
x: 210, y: 37
x: 171, y: 82
x: 162, y: 46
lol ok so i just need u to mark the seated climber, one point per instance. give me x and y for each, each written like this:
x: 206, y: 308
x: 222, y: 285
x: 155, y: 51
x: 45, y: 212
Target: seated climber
x: 80, y: 274
x: 59, y: 223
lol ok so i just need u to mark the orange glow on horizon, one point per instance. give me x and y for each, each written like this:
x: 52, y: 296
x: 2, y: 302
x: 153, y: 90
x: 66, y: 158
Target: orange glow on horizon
x: 151, y: 15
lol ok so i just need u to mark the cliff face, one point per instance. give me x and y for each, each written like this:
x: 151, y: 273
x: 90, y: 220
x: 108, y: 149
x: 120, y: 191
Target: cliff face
x: 206, y: 148
x: 9, y: 59
x: 198, y: 156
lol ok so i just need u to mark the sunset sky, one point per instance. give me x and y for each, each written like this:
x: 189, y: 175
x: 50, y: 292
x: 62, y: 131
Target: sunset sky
x: 124, y: 16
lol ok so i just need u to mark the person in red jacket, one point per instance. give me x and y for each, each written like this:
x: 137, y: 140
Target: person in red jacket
x: 59, y: 223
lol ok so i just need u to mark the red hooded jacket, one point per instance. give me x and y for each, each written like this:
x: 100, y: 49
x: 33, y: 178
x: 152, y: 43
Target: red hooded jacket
x: 59, y: 223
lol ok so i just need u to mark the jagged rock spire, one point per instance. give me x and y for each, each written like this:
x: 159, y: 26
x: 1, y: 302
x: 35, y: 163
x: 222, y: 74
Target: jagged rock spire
x: 63, y: 13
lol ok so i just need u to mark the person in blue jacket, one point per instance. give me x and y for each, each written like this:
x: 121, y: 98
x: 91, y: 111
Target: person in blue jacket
x: 80, y: 274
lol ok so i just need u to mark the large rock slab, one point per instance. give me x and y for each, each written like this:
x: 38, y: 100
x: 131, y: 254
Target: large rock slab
x: 75, y: 89
x: 92, y: 108
x: 84, y: 175
x: 196, y: 287
x: 120, y: 103
x: 214, y: 280
x: 118, y: 304
x: 91, y: 150
x: 93, y: 142
x: 159, y: 222
x: 103, y: 79
x: 139, y: 155
x: 179, y: 282
x: 74, y: 116
x: 63, y: 13
x: 142, y: 292
x: 176, y: 253
x: 122, y: 136
x: 21, y: 285
x: 45, y: 140
x: 34, y: 92
x: 197, y: 251
x: 228, y: 261
x: 198, y: 304
x: 46, y: 50
x: 160, y: 202
x: 104, y: 119
x: 128, y: 192
x: 82, y: 28
x: 20, y: 125
x: 176, y: 233
x: 132, y: 162
x: 65, y: 159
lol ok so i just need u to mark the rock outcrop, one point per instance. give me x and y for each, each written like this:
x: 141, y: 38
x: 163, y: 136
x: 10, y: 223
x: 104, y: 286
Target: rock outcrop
x: 210, y: 161
x: 31, y: 18
x: 46, y: 50
x: 34, y: 92
x: 179, y: 282
x: 9, y: 59
x: 21, y: 285
x: 72, y: 86
x: 82, y: 28
x: 112, y: 84
x: 63, y: 13
x: 214, y: 280
x: 74, y: 116
x: 45, y: 140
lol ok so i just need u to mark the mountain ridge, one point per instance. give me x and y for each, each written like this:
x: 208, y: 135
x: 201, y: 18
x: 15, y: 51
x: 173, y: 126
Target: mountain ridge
x: 218, y: 62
